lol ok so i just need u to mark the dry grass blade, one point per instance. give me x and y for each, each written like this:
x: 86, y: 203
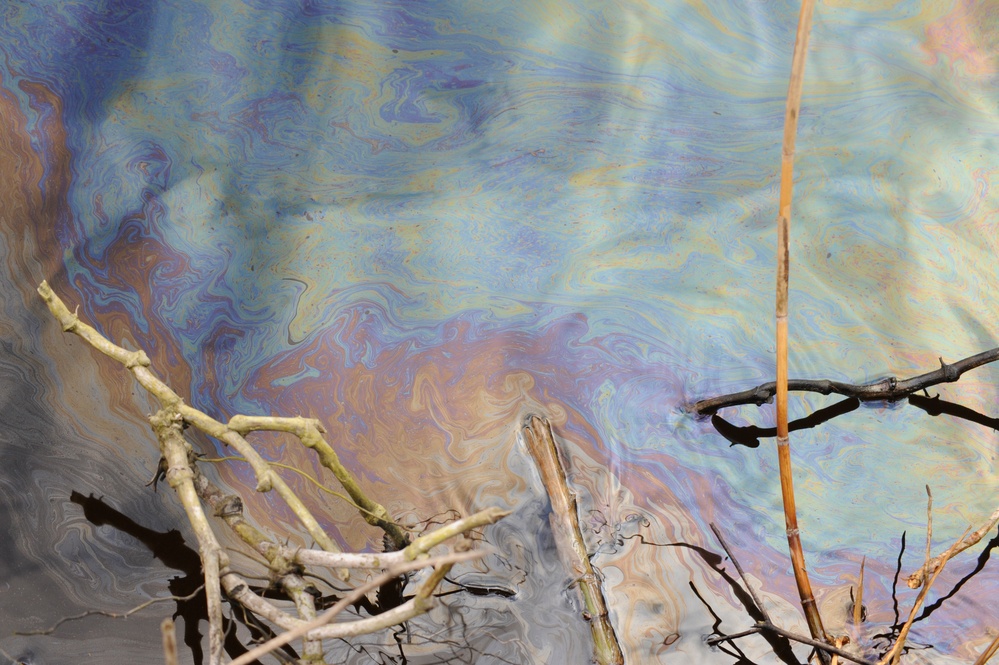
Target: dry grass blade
x: 858, y: 600
x: 929, y: 527
x: 169, y: 642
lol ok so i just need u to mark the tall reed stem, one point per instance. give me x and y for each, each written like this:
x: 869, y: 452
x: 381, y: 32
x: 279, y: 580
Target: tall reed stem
x: 783, y: 261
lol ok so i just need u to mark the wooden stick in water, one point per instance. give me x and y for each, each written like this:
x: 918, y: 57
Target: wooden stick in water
x: 569, y: 539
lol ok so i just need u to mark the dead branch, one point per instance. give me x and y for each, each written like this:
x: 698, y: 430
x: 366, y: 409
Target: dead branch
x: 569, y: 539
x: 916, y: 579
x: 896, y: 651
x: 178, y: 463
x: 886, y: 390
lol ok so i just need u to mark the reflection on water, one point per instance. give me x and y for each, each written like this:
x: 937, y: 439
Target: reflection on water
x: 420, y: 221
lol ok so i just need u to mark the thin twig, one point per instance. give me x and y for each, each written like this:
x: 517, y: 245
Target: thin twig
x: 916, y: 579
x: 763, y: 626
x: 742, y: 574
x: 303, y: 474
x: 112, y: 615
x: 885, y: 390
x: 327, y: 616
x: 310, y: 432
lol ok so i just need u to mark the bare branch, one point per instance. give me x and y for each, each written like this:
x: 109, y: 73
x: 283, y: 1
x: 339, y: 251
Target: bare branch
x: 569, y: 539
x: 885, y: 390
x: 352, y: 597
x: 917, y: 578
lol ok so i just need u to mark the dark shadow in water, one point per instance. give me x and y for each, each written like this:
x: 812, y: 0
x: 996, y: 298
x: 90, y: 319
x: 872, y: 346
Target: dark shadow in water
x: 781, y: 645
x: 730, y: 648
x: 750, y: 435
x: 935, y: 406
x: 170, y: 549
x: 983, y: 558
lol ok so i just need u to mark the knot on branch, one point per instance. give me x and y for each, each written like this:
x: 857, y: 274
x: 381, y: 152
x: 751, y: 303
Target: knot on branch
x: 137, y: 359
x: 765, y: 393
x: 231, y: 506
x: 951, y: 372
x: 266, y: 482
x: 280, y: 566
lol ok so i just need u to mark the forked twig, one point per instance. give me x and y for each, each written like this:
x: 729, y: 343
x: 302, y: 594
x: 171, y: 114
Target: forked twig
x: 896, y: 651
x: 193, y: 488
x: 917, y: 578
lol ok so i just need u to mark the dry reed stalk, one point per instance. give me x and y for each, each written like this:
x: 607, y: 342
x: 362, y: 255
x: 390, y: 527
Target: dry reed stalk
x: 783, y: 265
x: 569, y: 540
x: 989, y: 652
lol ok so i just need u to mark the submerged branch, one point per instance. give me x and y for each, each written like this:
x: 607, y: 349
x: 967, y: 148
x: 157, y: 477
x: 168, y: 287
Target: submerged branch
x: 885, y: 390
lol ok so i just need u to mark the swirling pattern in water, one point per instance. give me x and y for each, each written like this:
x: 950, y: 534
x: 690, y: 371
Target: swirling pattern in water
x: 420, y: 222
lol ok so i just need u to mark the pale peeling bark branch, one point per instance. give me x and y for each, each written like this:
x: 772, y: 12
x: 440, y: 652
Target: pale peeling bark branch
x: 138, y: 363
x: 286, y: 563
x: 420, y: 604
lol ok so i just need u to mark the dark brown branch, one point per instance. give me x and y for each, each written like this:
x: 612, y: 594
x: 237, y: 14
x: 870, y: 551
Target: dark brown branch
x: 886, y: 390
x: 742, y: 574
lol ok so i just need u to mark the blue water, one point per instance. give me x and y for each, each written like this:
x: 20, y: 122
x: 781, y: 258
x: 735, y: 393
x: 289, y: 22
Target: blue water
x: 421, y: 221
